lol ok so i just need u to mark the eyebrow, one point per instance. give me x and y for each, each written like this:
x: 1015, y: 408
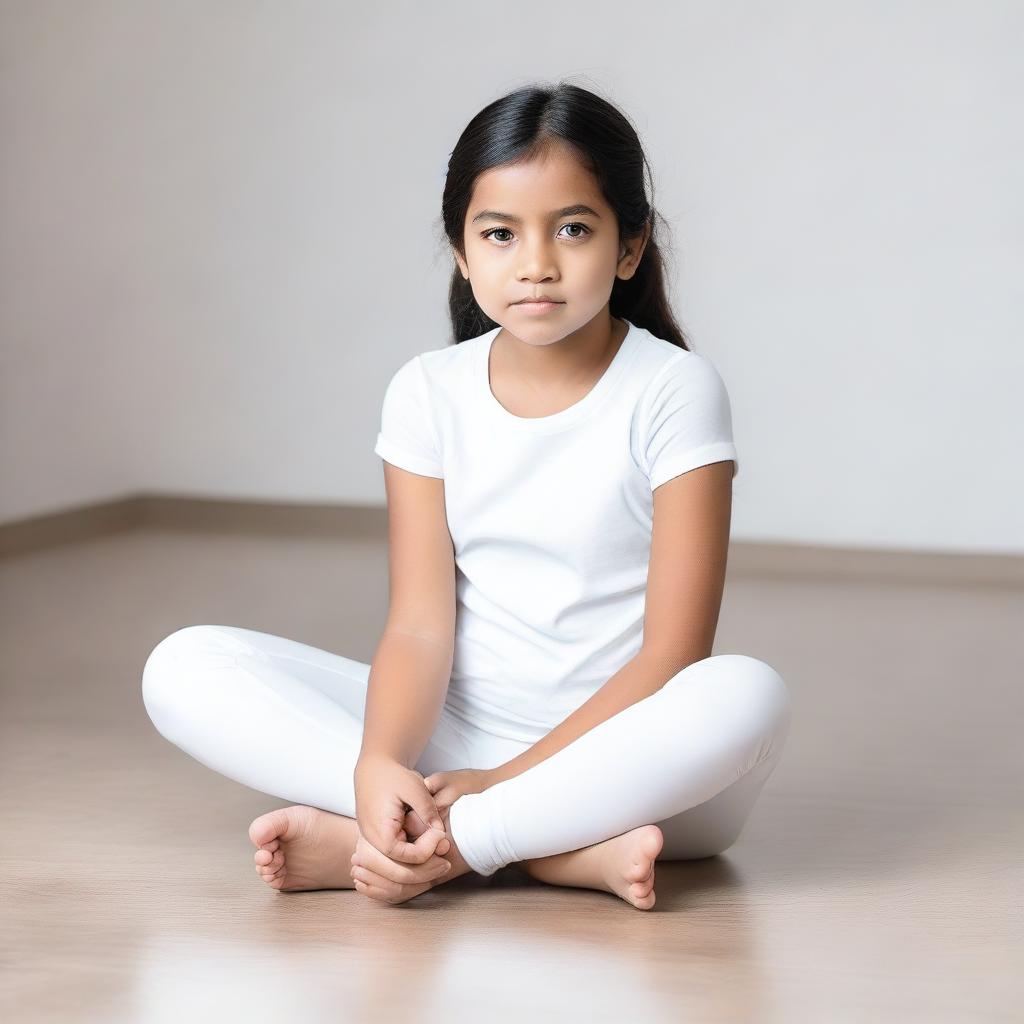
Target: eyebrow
x: 565, y: 211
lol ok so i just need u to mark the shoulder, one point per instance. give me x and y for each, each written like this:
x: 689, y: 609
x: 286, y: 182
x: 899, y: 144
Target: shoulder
x: 446, y: 364
x: 434, y: 367
x: 672, y: 374
x: 431, y: 367
x: 683, y: 418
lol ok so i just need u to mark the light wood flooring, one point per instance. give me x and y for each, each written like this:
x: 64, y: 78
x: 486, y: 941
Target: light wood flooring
x: 878, y: 878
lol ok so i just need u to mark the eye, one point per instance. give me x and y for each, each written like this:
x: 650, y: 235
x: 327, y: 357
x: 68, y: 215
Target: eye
x: 572, y: 224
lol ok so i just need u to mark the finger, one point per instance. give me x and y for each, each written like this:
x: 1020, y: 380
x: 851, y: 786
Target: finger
x: 415, y: 826
x: 361, y: 883
x: 418, y: 852
x: 385, y: 833
x: 382, y: 889
x: 422, y: 802
x: 368, y: 856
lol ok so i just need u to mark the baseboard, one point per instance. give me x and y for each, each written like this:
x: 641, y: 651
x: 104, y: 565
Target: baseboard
x: 746, y: 558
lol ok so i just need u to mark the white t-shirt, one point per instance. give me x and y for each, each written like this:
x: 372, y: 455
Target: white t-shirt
x: 551, y: 516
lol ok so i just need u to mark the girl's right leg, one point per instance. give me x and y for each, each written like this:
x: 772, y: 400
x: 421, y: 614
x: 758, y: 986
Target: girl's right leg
x: 277, y: 715
x: 286, y: 719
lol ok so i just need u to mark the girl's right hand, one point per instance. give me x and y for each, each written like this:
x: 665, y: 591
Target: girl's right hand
x: 385, y: 790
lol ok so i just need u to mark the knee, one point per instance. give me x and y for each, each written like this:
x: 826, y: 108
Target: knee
x: 749, y: 685
x: 172, y: 670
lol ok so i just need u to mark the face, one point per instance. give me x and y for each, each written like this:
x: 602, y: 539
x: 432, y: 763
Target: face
x: 543, y: 228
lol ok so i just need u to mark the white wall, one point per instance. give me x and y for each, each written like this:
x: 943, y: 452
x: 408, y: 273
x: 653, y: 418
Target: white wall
x: 220, y: 236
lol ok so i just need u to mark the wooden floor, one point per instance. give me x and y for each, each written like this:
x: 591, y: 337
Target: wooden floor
x: 878, y: 878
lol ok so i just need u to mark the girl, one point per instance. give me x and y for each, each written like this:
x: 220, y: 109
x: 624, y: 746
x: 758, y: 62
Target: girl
x: 559, y: 496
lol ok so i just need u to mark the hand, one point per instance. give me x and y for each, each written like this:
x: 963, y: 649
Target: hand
x: 385, y: 789
x: 384, y: 887
x: 447, y: 787
x: 383, y: 879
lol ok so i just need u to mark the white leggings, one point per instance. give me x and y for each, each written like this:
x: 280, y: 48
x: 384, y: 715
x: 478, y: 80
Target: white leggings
x: 286, y: 719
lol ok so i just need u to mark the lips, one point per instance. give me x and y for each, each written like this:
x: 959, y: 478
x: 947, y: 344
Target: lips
x: 540, y: 298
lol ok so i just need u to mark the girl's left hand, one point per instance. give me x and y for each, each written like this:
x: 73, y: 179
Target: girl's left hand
x: 447, y: 787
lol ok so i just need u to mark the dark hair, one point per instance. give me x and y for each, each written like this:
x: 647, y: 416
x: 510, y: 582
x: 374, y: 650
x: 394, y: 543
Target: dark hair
x: 518, y: 127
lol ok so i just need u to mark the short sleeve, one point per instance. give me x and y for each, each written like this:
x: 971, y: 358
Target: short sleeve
x: 685, y: 420
x: 407, y: 437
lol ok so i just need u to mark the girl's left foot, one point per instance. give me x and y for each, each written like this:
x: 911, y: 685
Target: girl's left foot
x: 628, y: 862
x: 622, y: 865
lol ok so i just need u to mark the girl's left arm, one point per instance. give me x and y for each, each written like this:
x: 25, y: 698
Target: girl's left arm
x: 685, y: 583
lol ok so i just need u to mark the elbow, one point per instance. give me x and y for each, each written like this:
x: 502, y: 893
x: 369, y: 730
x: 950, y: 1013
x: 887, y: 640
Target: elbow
x: 666, y: 662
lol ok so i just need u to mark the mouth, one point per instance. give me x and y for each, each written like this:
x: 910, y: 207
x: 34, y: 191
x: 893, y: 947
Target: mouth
x: 538, y: 306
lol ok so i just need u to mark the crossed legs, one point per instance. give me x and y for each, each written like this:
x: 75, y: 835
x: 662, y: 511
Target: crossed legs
x: 285, y: 718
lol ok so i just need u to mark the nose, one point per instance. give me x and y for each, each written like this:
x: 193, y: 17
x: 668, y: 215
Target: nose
x: 536, y: 263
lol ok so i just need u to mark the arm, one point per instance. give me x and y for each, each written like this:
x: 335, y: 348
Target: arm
x: 408, y: 679
x: 412, y: 666
x: 685, y: 583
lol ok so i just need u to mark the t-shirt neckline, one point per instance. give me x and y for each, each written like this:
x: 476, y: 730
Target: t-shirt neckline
x: 566, y: 417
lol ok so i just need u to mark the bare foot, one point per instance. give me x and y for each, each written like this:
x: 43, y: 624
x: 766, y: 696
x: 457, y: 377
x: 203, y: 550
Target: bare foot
x: 629, y: 864
x: 622, y: 865
x: 301, y: 848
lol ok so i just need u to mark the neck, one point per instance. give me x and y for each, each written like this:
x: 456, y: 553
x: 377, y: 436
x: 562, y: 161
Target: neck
x: 578, y: 355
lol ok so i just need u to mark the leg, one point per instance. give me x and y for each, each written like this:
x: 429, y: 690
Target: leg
x: 283, y: 718
x: 624, y: 864
x: 710, y: 725
x: 713, y: 826
x: 276, y: 715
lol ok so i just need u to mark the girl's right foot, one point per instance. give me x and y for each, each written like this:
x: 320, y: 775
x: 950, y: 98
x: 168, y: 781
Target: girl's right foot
x: 300, y: 848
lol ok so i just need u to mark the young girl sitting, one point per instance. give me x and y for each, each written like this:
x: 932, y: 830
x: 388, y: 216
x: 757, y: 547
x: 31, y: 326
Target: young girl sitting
x: 559, y: 488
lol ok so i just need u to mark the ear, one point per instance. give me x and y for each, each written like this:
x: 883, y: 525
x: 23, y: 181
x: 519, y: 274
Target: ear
x: 630, y: 255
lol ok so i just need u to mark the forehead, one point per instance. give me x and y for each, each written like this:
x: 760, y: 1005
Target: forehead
x: 557, y: 178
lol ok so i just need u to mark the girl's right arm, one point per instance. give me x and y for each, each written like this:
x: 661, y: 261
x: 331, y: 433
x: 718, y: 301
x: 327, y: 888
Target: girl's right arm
x: 408, y: 681
x: 412, y: 665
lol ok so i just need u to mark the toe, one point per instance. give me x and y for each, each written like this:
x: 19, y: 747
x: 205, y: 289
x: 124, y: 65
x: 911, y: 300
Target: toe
x: 641, y: 896
x: 639, y: 871
x: 264, y: 829
x: 270, y: 826
x: 653, y: 841
x: 263, y: 857
x: 641, y: 889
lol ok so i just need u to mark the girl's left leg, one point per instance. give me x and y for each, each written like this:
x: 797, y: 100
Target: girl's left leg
x: 691, y: 758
